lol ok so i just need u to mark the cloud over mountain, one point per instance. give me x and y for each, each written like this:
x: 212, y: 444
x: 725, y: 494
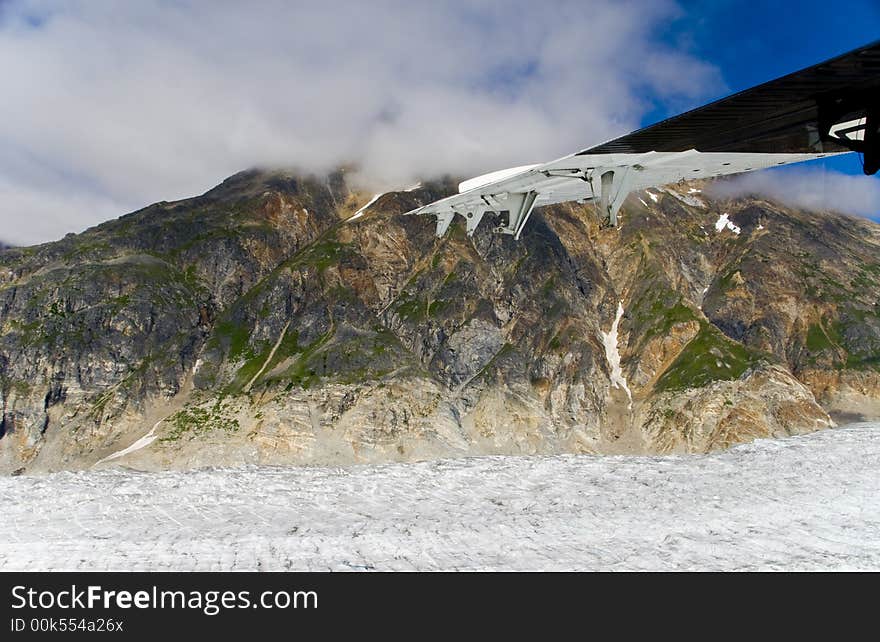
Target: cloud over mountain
x: 809, y: 187
x: 108, y: 106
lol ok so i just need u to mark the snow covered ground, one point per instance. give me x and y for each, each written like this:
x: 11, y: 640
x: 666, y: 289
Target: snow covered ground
x: 809, y: 502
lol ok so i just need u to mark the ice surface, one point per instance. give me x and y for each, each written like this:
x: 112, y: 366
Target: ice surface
x: 810, y: 502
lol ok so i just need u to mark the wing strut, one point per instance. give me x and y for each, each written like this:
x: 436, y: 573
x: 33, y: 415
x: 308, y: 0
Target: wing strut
x: 614, y: 188
x: 872, y: 141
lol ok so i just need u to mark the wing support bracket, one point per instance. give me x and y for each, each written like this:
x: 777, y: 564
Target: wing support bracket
x: 444, y: 219
x: 519, y: 208
x: 472, y: 219
x: 853, y: 106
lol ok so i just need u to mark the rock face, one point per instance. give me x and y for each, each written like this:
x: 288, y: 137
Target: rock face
x: 254, y: 324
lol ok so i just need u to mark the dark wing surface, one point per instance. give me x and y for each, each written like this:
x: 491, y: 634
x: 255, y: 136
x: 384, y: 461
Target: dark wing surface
x: 800, y: 113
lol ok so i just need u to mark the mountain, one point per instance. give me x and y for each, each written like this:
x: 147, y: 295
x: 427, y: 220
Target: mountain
x: 254, y: 324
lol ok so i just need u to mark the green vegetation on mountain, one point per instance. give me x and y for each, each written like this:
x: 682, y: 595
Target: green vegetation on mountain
x: 259, y: 292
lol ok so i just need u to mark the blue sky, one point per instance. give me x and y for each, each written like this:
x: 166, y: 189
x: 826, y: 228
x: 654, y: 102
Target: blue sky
x: 753, y: 41
x: 109, y: 106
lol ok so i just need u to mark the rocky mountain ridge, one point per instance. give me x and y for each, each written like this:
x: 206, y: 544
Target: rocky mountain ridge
x: 256, y: 324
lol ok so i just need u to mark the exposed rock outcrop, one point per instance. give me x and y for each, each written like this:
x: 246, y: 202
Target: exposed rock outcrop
x: 254, y: 324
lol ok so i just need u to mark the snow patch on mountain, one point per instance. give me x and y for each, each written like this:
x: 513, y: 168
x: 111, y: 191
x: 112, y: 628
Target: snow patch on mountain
x: 143, y: 442
x: 361, y: 211
x: 612, y: 354
x: 691, y: 200
x: 725, y: 222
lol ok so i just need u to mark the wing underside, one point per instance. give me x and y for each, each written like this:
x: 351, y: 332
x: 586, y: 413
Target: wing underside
x: 827, y: 109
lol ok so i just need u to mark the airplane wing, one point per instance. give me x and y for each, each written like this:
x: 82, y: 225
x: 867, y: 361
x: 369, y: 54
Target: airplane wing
x: 829, y: 108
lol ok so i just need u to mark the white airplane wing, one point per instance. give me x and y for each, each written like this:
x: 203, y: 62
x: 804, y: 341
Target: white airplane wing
x: 830, y: 108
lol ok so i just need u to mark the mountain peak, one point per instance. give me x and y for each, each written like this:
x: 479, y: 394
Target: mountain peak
x: 257, y: 323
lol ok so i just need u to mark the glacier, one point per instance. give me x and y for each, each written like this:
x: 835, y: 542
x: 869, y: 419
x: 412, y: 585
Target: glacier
x: 810, y: 503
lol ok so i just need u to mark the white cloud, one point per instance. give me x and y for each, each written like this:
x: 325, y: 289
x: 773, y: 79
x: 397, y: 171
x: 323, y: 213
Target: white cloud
x: 32, y: 215
x: 809, y: 187
x: 109, y: 104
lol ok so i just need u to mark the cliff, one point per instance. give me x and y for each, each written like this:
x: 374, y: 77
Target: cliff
x: 255, y: 324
